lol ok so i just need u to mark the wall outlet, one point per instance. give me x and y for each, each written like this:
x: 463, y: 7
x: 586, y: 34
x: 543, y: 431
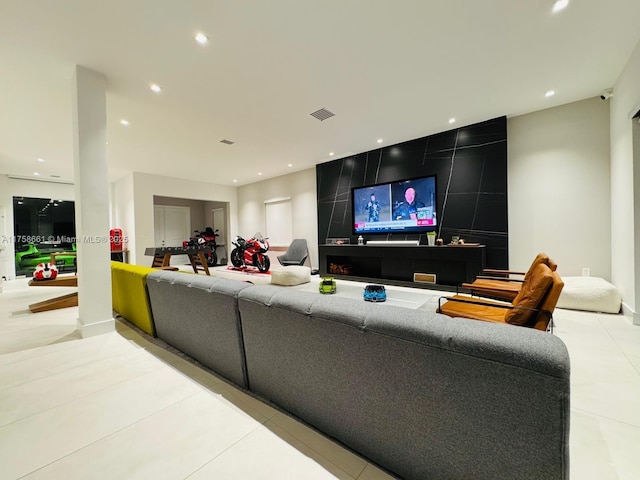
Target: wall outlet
x: 586, y: 272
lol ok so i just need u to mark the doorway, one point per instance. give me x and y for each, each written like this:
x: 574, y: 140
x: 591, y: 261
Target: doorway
x: 172, y: 226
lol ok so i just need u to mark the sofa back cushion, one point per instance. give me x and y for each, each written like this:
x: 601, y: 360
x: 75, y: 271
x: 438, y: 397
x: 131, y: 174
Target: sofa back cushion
x: 531, y: 295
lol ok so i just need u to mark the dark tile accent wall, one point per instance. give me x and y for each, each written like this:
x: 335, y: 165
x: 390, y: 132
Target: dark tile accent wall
x: 471, y: 165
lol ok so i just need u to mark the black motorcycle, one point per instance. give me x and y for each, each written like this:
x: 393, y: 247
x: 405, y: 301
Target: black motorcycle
x: 205, y: 238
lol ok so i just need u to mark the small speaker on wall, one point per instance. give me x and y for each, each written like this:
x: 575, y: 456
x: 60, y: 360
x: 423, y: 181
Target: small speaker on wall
x: 424, y: 277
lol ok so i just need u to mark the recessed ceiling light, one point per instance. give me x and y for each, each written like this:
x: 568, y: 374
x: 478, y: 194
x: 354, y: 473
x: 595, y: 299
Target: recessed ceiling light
x: 156, y: 88
x: 559, y: 5
x: 41, y: 160
x: 290, y: 165
x: 452, y: 120
x: 124, y: 121
x: 36, y: 174
x: 259, y: 173
x: 201, y: 38
x: 235, y: 180
x: 331, y: 154
x: 550, y: 93
x: 379, y: 140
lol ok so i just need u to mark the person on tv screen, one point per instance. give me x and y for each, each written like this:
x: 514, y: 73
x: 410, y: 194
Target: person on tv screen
x: 373, y: 209
x: 408, y: 210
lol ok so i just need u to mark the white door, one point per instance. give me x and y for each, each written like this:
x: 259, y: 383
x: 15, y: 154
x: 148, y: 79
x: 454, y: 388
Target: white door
x: 172, y: 226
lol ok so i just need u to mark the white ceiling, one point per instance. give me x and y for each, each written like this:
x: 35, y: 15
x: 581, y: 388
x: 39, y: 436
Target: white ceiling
x: 390, y: 69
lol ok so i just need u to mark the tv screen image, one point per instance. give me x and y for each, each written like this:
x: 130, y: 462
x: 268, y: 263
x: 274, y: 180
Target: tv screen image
x: 406, y: 206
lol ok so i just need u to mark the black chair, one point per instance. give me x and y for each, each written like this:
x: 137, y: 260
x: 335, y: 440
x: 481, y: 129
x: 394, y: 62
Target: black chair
x: 296, y: 254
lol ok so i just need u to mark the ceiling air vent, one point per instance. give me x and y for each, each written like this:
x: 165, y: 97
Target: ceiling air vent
x: 322, y: 114
x: 227, y: 142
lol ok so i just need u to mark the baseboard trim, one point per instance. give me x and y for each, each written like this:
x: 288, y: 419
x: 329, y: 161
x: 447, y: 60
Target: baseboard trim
x: 631, y: 314
x: 96, y: 328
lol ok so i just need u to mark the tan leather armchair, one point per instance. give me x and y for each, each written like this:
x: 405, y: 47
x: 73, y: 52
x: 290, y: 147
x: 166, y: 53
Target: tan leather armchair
x: 532, y: 307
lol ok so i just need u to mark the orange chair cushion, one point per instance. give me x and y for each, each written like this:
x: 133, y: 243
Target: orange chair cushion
x: 531, y: 295
x: 489, y: 311
x: 504, y: 290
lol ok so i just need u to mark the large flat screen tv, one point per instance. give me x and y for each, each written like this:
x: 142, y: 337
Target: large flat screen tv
x: 406, y: 206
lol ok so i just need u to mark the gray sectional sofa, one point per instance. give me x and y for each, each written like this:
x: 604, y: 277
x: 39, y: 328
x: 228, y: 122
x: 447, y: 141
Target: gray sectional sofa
x: 422, y: 395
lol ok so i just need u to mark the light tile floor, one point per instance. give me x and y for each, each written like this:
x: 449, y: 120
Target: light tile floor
x: 121, y: 406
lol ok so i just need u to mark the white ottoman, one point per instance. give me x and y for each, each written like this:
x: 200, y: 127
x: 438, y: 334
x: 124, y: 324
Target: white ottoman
x: 291, y: 275
x: 593, y: 294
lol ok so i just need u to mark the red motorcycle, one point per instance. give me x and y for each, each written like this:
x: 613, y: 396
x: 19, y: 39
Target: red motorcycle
x: 251, y: 252
x: 205, y: 238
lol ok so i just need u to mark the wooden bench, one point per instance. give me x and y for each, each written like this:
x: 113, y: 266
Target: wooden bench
x: 64, y: 301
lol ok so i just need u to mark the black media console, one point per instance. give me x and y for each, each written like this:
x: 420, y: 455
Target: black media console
x: 394, y: 264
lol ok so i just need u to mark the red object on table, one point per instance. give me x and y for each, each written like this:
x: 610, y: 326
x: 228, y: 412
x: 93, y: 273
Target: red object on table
x: 115, y: 238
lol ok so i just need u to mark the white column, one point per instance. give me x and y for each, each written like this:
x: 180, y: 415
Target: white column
x: 635, y: 155
x: 91, y: 202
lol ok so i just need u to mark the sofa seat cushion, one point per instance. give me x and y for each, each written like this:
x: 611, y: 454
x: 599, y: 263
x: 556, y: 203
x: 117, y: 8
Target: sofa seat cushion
x: 592, y: 294
x: 291, y: 275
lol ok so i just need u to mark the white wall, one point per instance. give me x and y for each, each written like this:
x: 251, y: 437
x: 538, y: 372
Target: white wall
x: 558, y: 188
x: 301, y: 187
x: 137, y: 191
x: 625, y: 181
x: 9, y: 188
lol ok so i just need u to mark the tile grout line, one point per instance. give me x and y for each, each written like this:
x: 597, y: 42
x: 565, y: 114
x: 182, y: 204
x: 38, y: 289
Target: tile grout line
x: 621, y: 422
x: 324, y: 437
x: 48, y: 409
x: 66, y: 369
x: 110, y: 434
x: 613, y: 339
x: 260, y: 424
x: 313, y: 449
